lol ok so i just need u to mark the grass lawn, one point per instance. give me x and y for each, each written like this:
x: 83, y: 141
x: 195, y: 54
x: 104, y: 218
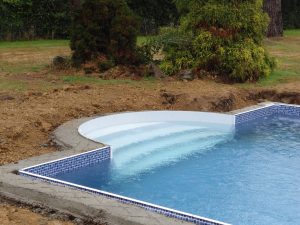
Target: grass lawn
x: 26, y: 57
x: 30, y: 56
x: 287, y: 52
x: 33, y: 44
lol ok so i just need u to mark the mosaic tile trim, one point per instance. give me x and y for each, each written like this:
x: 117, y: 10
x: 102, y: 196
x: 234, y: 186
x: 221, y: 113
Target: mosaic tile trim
x: 275, y: 109
x: 288, y: 110
x: 67, y: 164
x: 255, y: 114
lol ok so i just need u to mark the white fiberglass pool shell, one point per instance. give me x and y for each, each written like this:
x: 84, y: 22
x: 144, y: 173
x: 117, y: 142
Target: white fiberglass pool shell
x: 102, y: 127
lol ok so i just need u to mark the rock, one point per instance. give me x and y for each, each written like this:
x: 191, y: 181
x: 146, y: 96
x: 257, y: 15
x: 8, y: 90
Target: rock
x: 60, y: 62
x: 46, y: 126
x: 261, y: 100
x: 14, y: 210
x: 89, y: 70
x: 45, y: 145
x: 155, y: 71
x: 6, y: 98
x: 169, y: 98
x: 224, y: 104
x: 186, y: 75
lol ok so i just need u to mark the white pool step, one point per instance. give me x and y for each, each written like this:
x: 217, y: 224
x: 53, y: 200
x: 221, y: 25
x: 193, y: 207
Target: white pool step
x: 133, y: 151
x: 165, y: 156
x: 119, y: 141
x: 125, y: 128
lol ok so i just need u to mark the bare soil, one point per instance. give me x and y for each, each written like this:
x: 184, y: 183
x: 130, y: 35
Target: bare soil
x: 17, y: 215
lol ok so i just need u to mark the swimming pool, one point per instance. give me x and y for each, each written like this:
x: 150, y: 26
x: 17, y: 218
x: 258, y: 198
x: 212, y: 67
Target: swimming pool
x: 241, y: 174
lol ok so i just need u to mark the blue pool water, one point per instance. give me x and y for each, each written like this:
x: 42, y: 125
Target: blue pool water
x: 250, y: 177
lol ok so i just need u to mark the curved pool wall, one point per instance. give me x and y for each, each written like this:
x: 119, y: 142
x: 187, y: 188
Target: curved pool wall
x: 119, y: 122
x: 88, y: 129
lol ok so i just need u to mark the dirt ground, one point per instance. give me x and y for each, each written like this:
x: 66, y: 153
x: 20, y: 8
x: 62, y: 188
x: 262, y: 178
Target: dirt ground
x: 13, y: 215
x: 18, y: 213
x: 34, y: 103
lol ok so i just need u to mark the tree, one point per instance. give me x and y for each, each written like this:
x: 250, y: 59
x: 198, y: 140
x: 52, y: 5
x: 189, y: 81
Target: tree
x: 154, y: 13
x: 31, y: 19
x: 291, y: 14
x: 104, y: 29
x: 273, y: 8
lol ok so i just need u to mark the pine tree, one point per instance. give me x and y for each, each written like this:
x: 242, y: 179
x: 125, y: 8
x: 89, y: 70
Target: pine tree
x: 104, y: 28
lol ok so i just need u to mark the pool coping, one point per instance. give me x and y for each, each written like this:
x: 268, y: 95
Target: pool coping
x: 76, y: 202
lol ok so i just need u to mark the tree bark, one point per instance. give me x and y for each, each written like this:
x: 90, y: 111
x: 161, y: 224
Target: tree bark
x: 273, y: 8
x: 75, y: 4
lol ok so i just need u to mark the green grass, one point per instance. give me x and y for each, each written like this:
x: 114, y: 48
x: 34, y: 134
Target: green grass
x: 48, y: 43
x: 142, y: 40
x: 278, y: 76
x: 99, y: 81
x: 287, y: 52
x: 33, y: 44
x: 14, y: 85
x: 25, y: 68
x: 292, y: 33
x: 93, y: 80
x: 30, y: 56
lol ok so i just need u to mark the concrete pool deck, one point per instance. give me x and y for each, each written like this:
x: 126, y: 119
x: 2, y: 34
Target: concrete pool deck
x: 71, y: 201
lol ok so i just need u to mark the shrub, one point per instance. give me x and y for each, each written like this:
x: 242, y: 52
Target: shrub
x: 105, y: 65
x: 61, y: 62
x: 220, y: 37
x: 104, y: 27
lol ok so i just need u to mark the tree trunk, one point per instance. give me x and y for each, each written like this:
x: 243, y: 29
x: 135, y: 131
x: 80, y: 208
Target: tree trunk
x: 273, y: 8
x: 75, y: 4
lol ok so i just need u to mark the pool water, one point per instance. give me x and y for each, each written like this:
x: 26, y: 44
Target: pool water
x: 247, y: 177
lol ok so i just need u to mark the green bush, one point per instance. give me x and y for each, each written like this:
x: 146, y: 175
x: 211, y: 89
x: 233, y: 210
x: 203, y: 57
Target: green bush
x: 106, y: 64
x: 104, y: 28
x: 219, y: 37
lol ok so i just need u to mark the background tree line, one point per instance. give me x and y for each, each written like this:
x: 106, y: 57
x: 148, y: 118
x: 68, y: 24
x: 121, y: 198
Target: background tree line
x: 51, y: 19
x: 31, y: 19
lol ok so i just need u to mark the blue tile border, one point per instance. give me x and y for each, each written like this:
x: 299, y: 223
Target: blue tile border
x: 275, y: 109
x: 70, y: 163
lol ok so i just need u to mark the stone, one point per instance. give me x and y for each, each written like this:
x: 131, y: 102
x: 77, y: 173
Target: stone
x: 186, y: 75
x: 60, y: 62
x: 46, y: 126
x: 155, y: 71
x: 6, y: 98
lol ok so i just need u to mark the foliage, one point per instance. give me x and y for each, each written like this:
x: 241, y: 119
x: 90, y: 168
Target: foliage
x: 32, y: 19
x: 291, y: 13
x: 220, y: 37
x: 154, y: 13
x: 98, y: 31
x: 105, y: 65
